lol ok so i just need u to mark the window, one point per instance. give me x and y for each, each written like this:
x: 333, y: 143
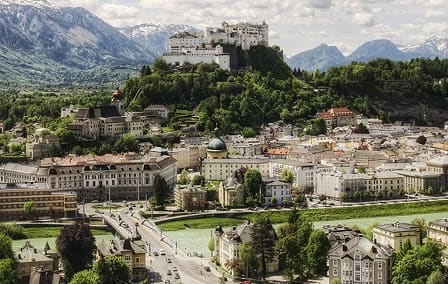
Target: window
x: 127, y: 258
x: 335, y: 262
x: 380, y: 265
x: 380, y: 275
x: 335, y: 272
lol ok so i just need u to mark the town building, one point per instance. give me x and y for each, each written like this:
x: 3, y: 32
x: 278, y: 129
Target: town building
x: 217, y: 148
x: 28, y: 258
x: 226, y: 246
x: 419, y: 181
x: 337, y: 184
x: 231, y: 192
x: 131, y: 250
x: 44, y: 144
x: 440, y: 166
x: 221, y: 169
x: 185, y: 40
x: 278, y: 192
x: 337, y: 117
x: 359, y: 261
x: 47, y: 203
x: 197, y: 55
x: 106, y: 122
x: 190, y: 197
x: 438, y: 231
x: 157, y: 113
x: 125, y: 176
x: 188, y: 156
x: 339, y: 234
x: 395, y: 234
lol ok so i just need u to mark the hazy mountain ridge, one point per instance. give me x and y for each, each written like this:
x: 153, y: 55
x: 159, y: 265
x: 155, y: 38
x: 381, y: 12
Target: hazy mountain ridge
x: 320, y: 58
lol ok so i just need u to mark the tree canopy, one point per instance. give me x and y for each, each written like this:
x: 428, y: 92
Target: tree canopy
x: 5, y: 246
x: 112, y: 269
x: 253, y: 182
x: 160, y: 189
x: 8, y: 274
x: 76, y: 245
x: 85, y: 277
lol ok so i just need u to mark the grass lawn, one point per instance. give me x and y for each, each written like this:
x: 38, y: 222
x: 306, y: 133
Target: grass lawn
x: 52, y: 231
x: 321, y: 214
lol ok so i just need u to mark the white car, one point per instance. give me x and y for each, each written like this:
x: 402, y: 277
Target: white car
x: 162, y: 252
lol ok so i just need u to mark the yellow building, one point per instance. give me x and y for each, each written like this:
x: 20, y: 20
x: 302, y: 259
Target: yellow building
x: 395, y: 234
x: 230, y: 191
x: 132, y: 251
x: 190, y: 197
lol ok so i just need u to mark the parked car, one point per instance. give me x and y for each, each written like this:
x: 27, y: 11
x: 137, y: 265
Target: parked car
x: 166, y: 282
x: 168, y: 272
x: 168, y: 260
x: 162, y: 252
x: 176, y: 276
x: 155, y: 253
x: 207, y: 268
x: 174, y: 268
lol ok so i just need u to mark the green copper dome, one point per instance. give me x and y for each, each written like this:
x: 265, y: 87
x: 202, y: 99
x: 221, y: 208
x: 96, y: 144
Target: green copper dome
x: 217, y: 144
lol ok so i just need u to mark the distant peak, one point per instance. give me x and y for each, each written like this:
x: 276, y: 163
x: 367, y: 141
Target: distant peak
x: 34, y: 3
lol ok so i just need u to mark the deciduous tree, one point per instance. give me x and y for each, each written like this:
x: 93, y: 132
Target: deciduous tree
x: 75, y: 244
x: 252, y: 181
x: 8, y: 274
x: 5, y: 247
x: 85, y: 277
x: 112, y: 269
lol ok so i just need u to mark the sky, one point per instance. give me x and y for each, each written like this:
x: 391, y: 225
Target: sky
x: 294, y: 25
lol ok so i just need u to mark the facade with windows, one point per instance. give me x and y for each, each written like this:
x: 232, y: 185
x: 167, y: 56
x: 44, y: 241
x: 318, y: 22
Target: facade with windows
x: 221, y: 169
x: 395, y: 234
x: 96, y: 177
x: 278, y: 192
x: 359, y: 261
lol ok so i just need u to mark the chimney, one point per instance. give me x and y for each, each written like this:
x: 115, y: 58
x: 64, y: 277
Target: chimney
x: 344, y: 247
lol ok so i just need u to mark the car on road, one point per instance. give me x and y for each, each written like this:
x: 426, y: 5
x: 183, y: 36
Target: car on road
x: 176, y: 276
x: 166, y: 282
x: 207, y: 268
x: 174, y: 268
x: 168, y: 272
x: 155, y: 253
x: 168, y: 260
x: 95, y: 201
x: 162, y: 252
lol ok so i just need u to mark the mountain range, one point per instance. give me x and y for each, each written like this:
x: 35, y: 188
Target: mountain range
x: 323, y: 56
x: 45, y: 44
x: 40, y: 43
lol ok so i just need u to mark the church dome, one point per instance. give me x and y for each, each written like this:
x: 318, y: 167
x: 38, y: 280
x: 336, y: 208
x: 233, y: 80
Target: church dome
x: 216, y: 143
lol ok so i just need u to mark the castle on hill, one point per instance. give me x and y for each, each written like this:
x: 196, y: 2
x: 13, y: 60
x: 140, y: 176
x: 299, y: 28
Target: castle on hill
x: 216, y: 45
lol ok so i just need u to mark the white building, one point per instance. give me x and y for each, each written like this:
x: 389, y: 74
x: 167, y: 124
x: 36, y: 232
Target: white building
x: 278, y: 190
x: 183, y: 40
x: 94, y: 177
x: 221, y: 169
x: 242, y: 34
x: 198, y: 55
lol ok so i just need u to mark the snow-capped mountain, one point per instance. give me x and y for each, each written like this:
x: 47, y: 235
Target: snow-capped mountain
x: 38, y: 39
x: 155, y: 37
x: 33, y: 3
x: 434, y: 46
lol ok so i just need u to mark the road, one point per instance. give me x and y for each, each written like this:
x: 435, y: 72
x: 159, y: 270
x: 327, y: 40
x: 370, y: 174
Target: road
x: 190, y: 269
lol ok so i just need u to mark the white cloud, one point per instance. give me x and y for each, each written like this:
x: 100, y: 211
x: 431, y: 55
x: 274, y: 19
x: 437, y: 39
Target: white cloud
x: 364, y: 19
x: 320, y: 4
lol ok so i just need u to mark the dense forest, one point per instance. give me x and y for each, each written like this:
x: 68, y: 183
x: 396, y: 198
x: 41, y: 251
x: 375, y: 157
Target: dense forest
x: 269, y: 91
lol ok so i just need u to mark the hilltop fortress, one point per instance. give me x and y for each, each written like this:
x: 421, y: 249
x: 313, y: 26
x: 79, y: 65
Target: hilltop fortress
x: 216, y: 45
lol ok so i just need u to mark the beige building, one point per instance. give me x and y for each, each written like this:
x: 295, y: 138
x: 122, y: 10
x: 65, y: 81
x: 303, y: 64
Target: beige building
x: 221, y: 169
x: 47, y: 203
x: 226, y: 246
x: 338, y: 116
x: 92, y: 177
x: 190, y: 197
x: 188, y: 156
x: 43, y: 143
x: 359, y: 261
x: 438, y: 231
x: 440, y: 166
x: 279, y: 191
x: 29, y: 258
x: 417, y: 181
x: 131, y: 250
x: 231, y: 192
x: 394, y: 235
